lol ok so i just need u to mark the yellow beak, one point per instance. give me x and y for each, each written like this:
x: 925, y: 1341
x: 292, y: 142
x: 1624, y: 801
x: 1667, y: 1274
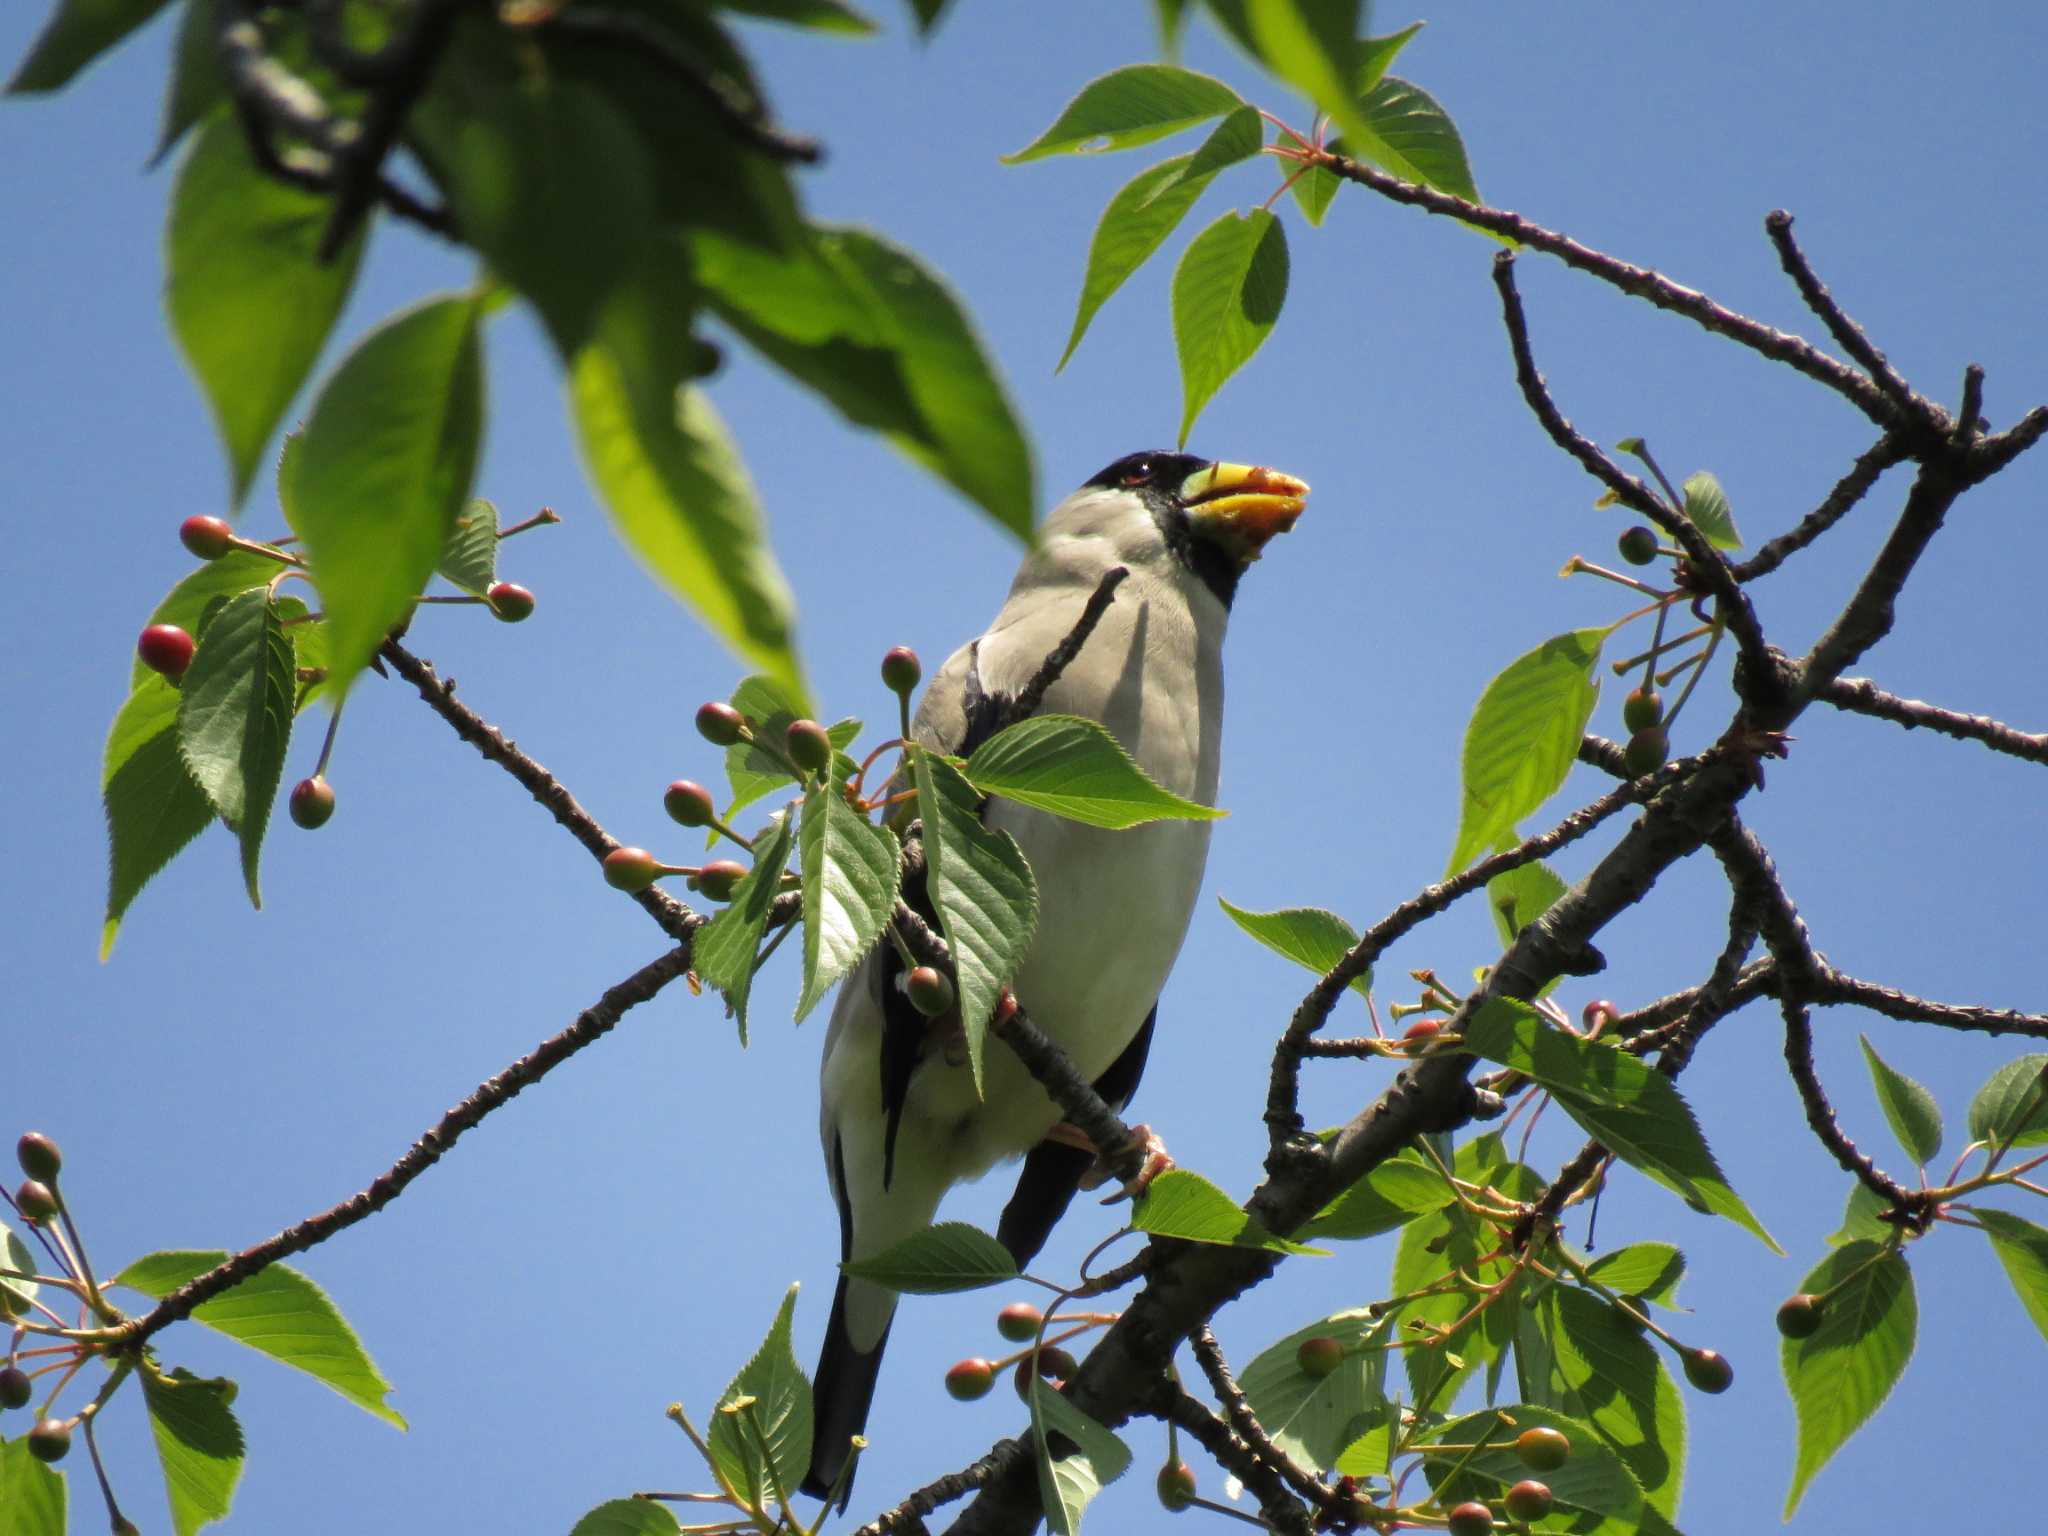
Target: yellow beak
x: 1242, y: 506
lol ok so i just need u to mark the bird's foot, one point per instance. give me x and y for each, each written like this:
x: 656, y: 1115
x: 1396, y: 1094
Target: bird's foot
x: 1144, y: 1140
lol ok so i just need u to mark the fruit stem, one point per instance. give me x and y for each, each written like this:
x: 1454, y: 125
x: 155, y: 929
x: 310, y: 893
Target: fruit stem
x: 86, y: 1416
x: 859, y: 781
x: 453, y: 599
x: 1298, y: 139
x: 725, y: 831
x: 1621, y: 668
x: 267, y: 551
x: 1579, y: 565
x: 1693, y: 682
x: 327, y: 742
x: 539, y: 519
x: 1642, y: 451
x: 1501, y: 1421
x: 773, y: 944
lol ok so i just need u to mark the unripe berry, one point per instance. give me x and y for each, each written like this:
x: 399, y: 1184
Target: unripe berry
x: 809, y: 747
x: 1420, y: 1033
x: 1019, y: 1321
x: 931, y: 994
x: 311, y: 802
x: 1543, y: 1449
x: 1176, y: 1485
x: 207, y: 537
x: 630, y: 869
x: 969, y: 1379
x: 50, y: 1440
x: 38, y: 1156
x: 1643, y: 708
x: 510, y: 601
x: 1638, y: 545
x: 1799, y: 1317
x: 1054, y: 1364
x: 1528, y: 1500
x: 37, y: 1201
x: 167, y: 649
x: 1708, y: 1371
x: 719, y: 724
x: 1646, y: 751
x: 15, y: 1388
x: 688, y: 803
x: 718, y: 878
x: 1471, y: 1518
x: 1319, y: 1356
x: 1597, y: 1014
x: 901, y: 669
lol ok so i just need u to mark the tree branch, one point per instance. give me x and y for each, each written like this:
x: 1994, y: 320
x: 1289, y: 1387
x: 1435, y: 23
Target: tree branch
x: 1850, y: 489
x: 1849, y: 336
x: 408, y: 63
x: 1237, y: 1409
x: 1282, y: 1511
x: 1859, y: 695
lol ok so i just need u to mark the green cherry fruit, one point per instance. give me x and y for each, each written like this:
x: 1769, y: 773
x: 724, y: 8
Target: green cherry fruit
x: 207, y: 537
x: 50, y: 1440
x: 901, y: 669
x: 1643, y: 708
x: 719, y: 878
x: 969, y: 1379
x: 1176, y: 1485
x: 1471, y: 1518
x: 688, y: 803
x: 1528, y: 1500
x: 1319, y: 1356
x: 1646, y: 751
x: 15, y: 1388
x: 931, y: 994
x: 630, y: 869
x: 38, y: 1156
x: 1638, y: 545
x: 1543, y: 1449
x: 167, y: 649
x: 809, y: 747
x: 1708, y: 1371
x: 37, y: 1201
x: 509, y: 601
x: 123, y: 1526
x: 1019, y: 1320
x: 1799, y: 1317
x: 720, y: 724
x: 311, y: 802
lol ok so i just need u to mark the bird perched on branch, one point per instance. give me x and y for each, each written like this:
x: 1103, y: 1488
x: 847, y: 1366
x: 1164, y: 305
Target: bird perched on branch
x: 900, y: 1119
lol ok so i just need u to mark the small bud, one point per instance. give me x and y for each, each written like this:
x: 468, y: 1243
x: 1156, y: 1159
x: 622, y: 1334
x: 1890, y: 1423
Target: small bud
x: 931, y: 994
x: 1799, y: 1317
x: 901, y: 670
x: 167, y: 649
x: 1319, y: 1356
x: 1019, y: 1321
x: 207, y: 537
x: 688, y: 803
x: 510, y: 601
x: 630, y: 869
x: 969, y: 1379
x: 719, y: 724
x: 38, y: 1156
x: 1176, y: 1485
x: 1528, y: 1500
x: 311, y: 802
x: 1708, y: 1371
x: 1638, y: 545
x: 50, y: 1440
x: 718, y: 878
x: 15, y: 1387
x: 1646, y: 751
x: 1543, y: 1449
x: 809, y: 747
x: 37, y: 1201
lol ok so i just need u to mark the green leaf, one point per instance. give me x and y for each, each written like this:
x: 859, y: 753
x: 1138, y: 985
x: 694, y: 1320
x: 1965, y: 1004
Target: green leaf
x: 198, y: 1442
x: 2022, y: 1248
x: 752, y: 769
x: 1840, y: 1375
x: 1311, y: 44
x: 198, y: 84
x: 153, y: 806
x: 1909, y: 1109
x: 867, y: 326
x: 469, y: 559
x: 1149, y: 208
x: 983, y: 890
x: 1074, y: 768
x: 280, y: 1312
x: 1706, y: 504
x: 235, y: 718
x: 1128, y: 107
x: 1227, y: 294
x: 928, y: 13
x: 851, y: 869
x: 1404, y: 131
x: 234, y: 572
x: 1314, y: 186
x: 1376, y: 56
x: 2011, y: 1109
x: 383, y: 470
x: 671, y: 478
x: 1631, y: 1108
x: 1309, y: 936
x: 1066, y: 1483
x: 79, y: 32
x: 1313, y: 1418
x: 951, y: 1256
x: 15, y: 1254
x: 813, y: 15
x: 1602, y: 1370
x: 723, y: 951
x: 1595, y: 1493
x: 248, y: 299
x: 1523, y: 738
x: 1522, y: 895
x: 1391, y: 1196
x: 31, y: 1493
x: 627, y: 1517
x: 1172, y: 18
x: 1649, y: 1270
x: 767, y: 1457
x: 1181, y: 1203
x: 1860, y: 1218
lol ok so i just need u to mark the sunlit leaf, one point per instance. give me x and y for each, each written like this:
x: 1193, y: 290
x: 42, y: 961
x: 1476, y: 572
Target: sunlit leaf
x: 1227, y: 294
x: 1128, y: 107
x: 1840, y: 1375
x: 1523, y: 738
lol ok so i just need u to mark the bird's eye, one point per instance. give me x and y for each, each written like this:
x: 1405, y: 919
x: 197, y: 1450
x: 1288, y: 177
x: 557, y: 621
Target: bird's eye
x: 1138, y: 473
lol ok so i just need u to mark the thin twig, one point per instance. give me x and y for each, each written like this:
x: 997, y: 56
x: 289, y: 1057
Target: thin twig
x: 1861, y: 696
x: 1032, y: 694
x: 1282, y: 1510
x: 1237, y: 1409
x: 1849, y: 336
x: 1850, y: 489
x: 410, y: 60
x: 908, y: 1517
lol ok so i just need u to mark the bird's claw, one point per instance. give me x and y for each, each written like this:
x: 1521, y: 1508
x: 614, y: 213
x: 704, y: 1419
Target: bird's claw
x: 1155, y: 1161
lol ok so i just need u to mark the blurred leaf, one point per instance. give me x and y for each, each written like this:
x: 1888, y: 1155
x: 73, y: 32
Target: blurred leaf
x: 1405, y: 132
x: 469, y: 559
x: 1840, y: 1375
x: 79, y: 32
x: 1392, y: 1195
x: 723, y: 952
x: 928, y: 13
x: 1522, y: 895
x: 235, y: 718
x: 1629, y: 1107
x: 1066, y: 1483
x: 1128, y: 107
x: 1649, y: 1270
x: 768, y: 1465
x: 248, y: 299
x: 851, y: 869
x: 383, y: 470
x: 153, y: 806
x: 1181, y: 1203
x: 1172, y: 19
x: 1227, y: 294
x: 198, y: 84
x: 1594, y: 1491
x: 16, y: 1255
x: 1706, y: 504
x: 2022, y: 1248
x: 1376, y: 56
x: 198, y: 1442
x: 813, y: 15
x: 1909, y: 1109
x: 1309, y: 936
x: 627, y: 1517
x: 1074, y: 768
x: 1313, y: 1418
x: 1149, y: 208
x: 2011, y: 1109
x: 280, y: 1312
x: 1604, y: 1371
x: 31, y: 1493
x: 1524, y: 737
x: 951, y: 1256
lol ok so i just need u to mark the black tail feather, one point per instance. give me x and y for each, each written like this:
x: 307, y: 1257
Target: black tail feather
x: 841, y: 1391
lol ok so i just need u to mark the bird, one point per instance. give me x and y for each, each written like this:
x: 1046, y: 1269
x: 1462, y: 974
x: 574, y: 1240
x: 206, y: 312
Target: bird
x: 899, y: 1117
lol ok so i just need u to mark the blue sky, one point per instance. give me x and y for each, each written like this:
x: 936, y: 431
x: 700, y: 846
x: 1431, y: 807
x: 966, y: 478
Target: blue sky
x: 620, y: 1236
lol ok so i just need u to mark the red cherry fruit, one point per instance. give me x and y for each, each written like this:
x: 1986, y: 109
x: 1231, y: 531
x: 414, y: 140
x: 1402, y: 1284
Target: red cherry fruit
x: 510, y: 601
x: 1543, y: 1449
x: 38, y: 1156
x: 901, y: 669
x: 1708, y: 1371
x: 718, y: 878
x: 688, y: 803
x: 167, y: 649
x: 311, y: 802
x: 1319, y: 1356
x: 1528, y: 1500
x: 1176, y: 1485
x: 1471, y: 1519
x: 719, y: 724
x: 969, y: 1379
x: 207, y: 537
x: 1019, y: 1321
x: 630, y: 869
x: 809, y: 747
